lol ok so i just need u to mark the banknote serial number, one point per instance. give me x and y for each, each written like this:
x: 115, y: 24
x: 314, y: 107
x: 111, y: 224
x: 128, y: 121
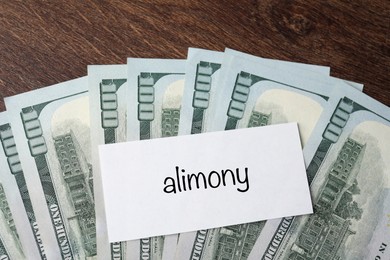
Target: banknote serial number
x: 214, y: 179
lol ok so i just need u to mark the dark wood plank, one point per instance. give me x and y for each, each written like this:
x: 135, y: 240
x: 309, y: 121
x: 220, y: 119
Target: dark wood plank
x: 46, y: 42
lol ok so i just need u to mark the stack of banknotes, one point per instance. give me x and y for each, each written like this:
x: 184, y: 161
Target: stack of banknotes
x: 51, y: 187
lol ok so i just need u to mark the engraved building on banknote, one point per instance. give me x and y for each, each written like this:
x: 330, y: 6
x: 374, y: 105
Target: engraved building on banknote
x: 7, y: 215
x: 170, y: 122
x: 236, y: 242
x: 259, y: 119
x: 76, y: 173
x: 6, y: 211
x: 324, y: 234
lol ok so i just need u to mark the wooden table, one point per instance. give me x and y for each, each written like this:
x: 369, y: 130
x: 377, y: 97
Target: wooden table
x: 46, y: 42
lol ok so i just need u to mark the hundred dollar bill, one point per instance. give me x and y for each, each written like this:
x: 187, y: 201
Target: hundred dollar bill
x: 51, y: 131
x: 155, y: 94
x: 107, y: 101
x: 201, y: 77
x: 155, y: 90
x: 257, y: 95
x: 349, y: 176
x: 201, y: 89
x: 203, y: 68
x: 19, y: 233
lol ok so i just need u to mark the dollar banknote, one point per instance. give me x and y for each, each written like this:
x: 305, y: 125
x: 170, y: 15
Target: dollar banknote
x: 203, y: 68
x: 201, y: 77
x: 19, y: 232
x: 349, y: 175
x: 155, y: 90
x: 199, y: 102
x: 51, y: 130
x: 257, y: 95
x: 107, y: 100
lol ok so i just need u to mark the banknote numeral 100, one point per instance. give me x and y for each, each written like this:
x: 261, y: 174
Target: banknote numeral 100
x: 145, y: 98
x: 33, y: 130
x: 9, y: 146
x: 202, y: 86
x: 109, y: 105
x: 240, y: 96
x: 338, y: 120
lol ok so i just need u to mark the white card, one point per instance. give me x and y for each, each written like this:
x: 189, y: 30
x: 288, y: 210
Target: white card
x: 187, y: 183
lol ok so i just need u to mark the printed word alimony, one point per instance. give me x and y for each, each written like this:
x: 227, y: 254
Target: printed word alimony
x: 214, y: 179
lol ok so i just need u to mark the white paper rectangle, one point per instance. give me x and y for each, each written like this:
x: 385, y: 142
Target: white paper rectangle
x: 138, y: 181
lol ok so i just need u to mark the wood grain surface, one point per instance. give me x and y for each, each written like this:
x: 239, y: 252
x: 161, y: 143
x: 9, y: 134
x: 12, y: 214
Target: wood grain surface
x: 46, y: 42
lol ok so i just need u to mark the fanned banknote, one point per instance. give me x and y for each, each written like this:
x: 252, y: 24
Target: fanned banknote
x: 284, y: 68
x: 201, y: 84
x: 50, y: 187
x: 349, y: 176
x: 19, y: 232
x: 107, y: 91
x: 202, y: 70
x: 155, y: 90
x: 201, y: 89
x: 51, y: 131
x: 257, y: 95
